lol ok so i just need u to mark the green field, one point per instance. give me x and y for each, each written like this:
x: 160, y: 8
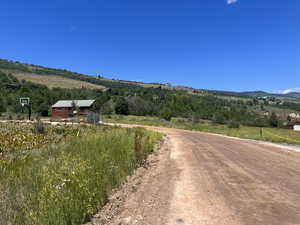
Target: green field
x: 67, y: 182
x: 268, y: 134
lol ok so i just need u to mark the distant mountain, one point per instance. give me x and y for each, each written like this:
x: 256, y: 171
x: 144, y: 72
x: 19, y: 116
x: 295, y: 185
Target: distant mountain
x: 256, y: 93
x: 288, y: 96
x: 293, y: 95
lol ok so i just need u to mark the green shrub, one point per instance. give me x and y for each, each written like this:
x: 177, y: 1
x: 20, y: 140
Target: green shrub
x: 219, y: 118
x: 39, y: 127
x: 121, y: 106
x: 273, y: 120
x: 8, y: 116
x: 166, y: 114
x: 233, y: 124
x: 93, y: 118
x: 19, y: 117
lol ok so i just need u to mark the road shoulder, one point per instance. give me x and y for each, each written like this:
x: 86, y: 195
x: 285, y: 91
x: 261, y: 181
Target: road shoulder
x: 144, y: 198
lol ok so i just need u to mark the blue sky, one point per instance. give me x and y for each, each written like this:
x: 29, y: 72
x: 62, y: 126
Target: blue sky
x: 213, y: 44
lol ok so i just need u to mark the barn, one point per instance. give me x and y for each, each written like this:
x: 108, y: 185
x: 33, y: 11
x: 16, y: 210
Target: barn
x: 67, y: 108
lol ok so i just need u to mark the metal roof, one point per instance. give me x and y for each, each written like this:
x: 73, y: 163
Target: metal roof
x: 68, y: 103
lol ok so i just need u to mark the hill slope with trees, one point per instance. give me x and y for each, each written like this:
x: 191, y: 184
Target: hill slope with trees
x: 128, y: 98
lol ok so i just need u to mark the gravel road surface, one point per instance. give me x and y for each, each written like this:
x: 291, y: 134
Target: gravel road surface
x: 206, y: 179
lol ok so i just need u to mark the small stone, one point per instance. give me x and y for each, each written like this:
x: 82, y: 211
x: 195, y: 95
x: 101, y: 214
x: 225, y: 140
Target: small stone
x: 180, y: 221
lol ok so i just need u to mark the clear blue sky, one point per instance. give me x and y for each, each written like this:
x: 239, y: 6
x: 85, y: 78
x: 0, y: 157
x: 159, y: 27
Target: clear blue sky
x: 245, y: 45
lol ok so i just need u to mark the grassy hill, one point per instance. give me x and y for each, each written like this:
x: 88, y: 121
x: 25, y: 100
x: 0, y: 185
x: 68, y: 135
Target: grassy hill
x: 52, y: 78
x: 54, y: 81
x: 66, y: 79
x: 49, y: 77
x: 135, y: 98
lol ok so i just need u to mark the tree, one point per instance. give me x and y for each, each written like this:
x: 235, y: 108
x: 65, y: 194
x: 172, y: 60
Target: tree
x: 121, y: 106
x: 195, y: 118
x: 166, y: 114
x: 139, y: 107
x: 273, y: 120
x: 43, y: 109
x: 219, y: 117
x: 107, y: 108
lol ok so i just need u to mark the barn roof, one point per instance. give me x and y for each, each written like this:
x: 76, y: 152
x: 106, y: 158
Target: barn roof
x: 68, y: 103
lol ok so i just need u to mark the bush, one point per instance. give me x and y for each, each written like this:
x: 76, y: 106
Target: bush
x: 8, y: 116
x: 121, y: 106
x: 93, y: 118
x: 166, y: 114
x: 233, y: 124
x: 219, y: 118
x: 19, y: 117
x: 273, y: 120
x: 39, y: 127
x: 195, y: 118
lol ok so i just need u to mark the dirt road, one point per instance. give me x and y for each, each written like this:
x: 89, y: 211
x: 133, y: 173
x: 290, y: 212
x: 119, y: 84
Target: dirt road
x: 204, y: 179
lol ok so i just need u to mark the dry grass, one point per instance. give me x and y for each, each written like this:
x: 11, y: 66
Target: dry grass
x: 56, y: 81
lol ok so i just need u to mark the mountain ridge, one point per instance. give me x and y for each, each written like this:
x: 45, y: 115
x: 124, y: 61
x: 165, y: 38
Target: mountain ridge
x: 16, y: 67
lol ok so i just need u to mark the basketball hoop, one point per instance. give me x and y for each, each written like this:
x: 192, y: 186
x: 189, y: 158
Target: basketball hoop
x: 24, y: 101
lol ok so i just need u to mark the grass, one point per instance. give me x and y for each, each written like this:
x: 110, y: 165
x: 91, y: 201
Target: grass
x: 24, y: 136
x: 56, y: 81
x: 276, y: 135
x: 65, y: 184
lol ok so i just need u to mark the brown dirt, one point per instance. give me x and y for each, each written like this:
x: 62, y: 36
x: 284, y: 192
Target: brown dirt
x: 199, y: 178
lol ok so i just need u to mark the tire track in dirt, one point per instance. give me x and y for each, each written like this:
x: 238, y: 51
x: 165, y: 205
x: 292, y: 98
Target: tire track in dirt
x: 207, y: 179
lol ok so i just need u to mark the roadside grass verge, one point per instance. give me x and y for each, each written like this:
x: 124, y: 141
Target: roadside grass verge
x: 25, y: 136
x: 276, y: 135
x: 65, y: 184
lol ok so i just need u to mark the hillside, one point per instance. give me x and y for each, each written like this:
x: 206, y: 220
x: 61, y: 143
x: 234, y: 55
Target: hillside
x: 67, y: 79
x: 53, y: 81
x: 52, y: 78
x: 136, y: 98
x: 47, y: 76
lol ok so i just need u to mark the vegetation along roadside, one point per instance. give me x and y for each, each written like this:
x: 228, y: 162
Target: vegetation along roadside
x: 277, y: 135
x: 66, y: 183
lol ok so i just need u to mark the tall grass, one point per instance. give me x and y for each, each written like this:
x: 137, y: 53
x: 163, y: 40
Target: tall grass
x: 65, y: 184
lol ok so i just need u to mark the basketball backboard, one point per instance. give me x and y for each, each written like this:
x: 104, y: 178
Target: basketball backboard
x: 24, y: 101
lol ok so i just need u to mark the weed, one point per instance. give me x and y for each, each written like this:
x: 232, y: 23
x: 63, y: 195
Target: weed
x: 65, y: 184
x: 39, y: 127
